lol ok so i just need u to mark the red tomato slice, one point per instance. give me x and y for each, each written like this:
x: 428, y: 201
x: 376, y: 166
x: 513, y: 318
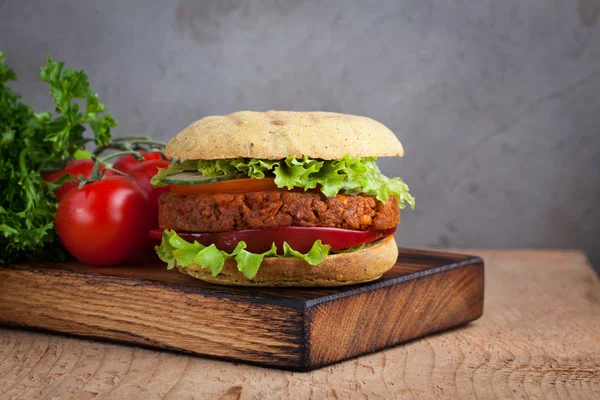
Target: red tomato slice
x: 298, y: 237
x: 230, y: 186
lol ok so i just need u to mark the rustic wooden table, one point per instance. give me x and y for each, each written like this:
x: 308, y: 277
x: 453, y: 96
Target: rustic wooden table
x: 539, y: 337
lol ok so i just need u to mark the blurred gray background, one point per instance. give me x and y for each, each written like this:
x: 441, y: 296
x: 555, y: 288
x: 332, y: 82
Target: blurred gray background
x: 497, y: 103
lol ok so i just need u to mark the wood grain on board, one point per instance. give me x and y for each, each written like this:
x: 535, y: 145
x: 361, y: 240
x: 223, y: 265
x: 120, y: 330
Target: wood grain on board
x: 538, y: 338
x: 300, y: 328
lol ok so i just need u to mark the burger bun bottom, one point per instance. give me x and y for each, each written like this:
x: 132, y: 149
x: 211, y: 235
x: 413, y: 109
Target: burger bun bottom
x: 341, y: 269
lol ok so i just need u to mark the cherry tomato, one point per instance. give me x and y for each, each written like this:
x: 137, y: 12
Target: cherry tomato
x: 142, y: 173
x: 105, y: 222
x: 243, y: 185
x: 127, y: 162
x: 76, y: 167
x: 298, y: 237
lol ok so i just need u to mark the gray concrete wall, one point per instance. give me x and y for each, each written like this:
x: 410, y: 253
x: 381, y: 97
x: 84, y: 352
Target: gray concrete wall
x: 496, y: 102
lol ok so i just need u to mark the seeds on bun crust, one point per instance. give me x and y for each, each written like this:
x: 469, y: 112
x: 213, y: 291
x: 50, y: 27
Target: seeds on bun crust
x: 275, y: 135
x: 361, y: 266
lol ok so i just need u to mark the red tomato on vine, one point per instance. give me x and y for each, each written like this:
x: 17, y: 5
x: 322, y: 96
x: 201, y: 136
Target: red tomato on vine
x: 105, y: 222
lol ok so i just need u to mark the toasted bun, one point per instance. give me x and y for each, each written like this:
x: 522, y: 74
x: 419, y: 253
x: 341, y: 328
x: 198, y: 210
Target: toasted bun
x: 275, y: 135
x: 336, y: 270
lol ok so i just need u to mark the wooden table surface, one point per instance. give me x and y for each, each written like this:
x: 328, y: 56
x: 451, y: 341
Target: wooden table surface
x: 539, y: 337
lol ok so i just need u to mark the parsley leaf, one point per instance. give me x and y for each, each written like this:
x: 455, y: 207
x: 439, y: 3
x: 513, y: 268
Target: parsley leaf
x: 30, y: 143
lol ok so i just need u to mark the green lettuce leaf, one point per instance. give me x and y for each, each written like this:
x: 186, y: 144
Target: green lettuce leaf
x: 349, y: 249
x: 173, y: 249
x: 174, y: 168
x: 350, y: 175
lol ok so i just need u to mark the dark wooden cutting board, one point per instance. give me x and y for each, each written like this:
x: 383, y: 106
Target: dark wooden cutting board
x: 293, y: 328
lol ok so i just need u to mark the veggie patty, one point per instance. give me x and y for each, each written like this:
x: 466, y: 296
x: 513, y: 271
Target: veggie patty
x: 266, y: 209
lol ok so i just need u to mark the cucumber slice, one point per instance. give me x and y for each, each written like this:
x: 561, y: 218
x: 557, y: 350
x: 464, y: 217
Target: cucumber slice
x: 195, y: 178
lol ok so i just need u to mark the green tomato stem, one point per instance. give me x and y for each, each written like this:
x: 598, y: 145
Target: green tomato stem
x: 134, y: 153
x: 114, y: 146
x: 130, y: 138
x: 116, y: 171
x: 149, y: 141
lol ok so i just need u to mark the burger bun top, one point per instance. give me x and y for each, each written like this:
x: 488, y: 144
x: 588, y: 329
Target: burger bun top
x: 274, y: 135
